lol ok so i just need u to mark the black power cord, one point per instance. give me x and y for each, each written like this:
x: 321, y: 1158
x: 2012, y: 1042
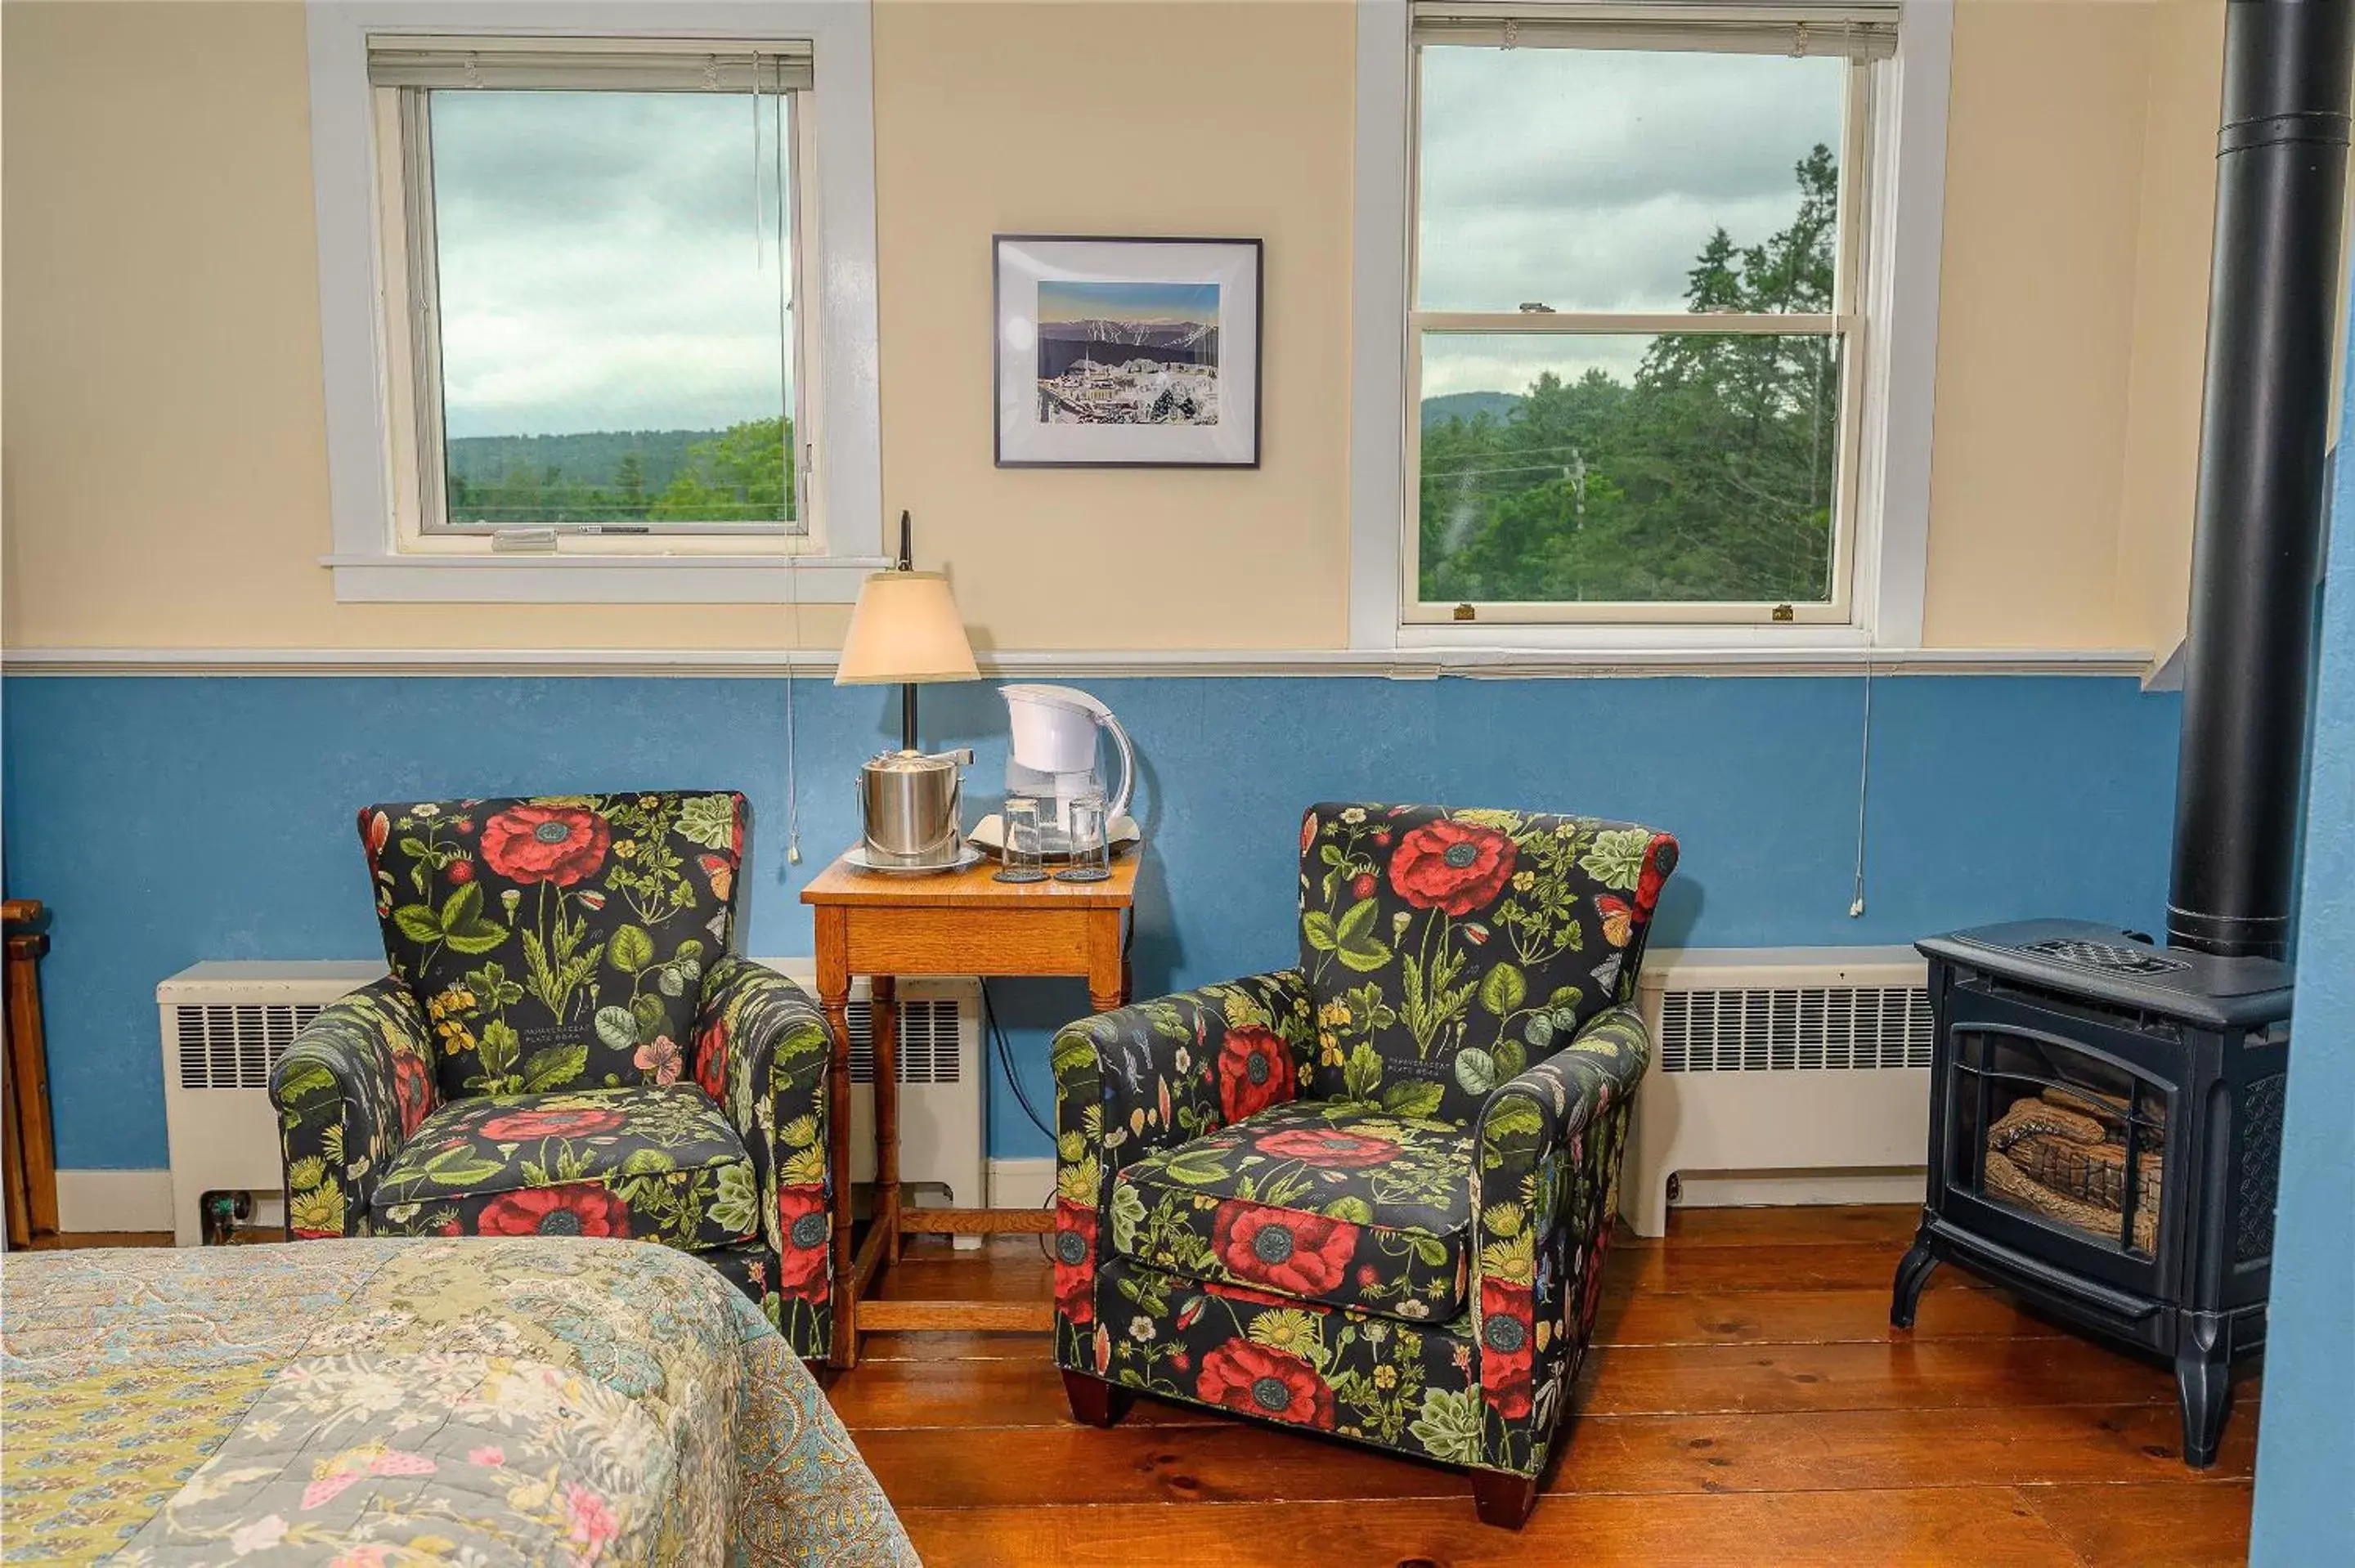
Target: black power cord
x: 1022, y: 1097
x: 1005, y: 1061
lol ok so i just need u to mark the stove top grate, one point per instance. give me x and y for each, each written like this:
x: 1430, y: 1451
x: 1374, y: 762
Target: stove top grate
x: 2114, y: 958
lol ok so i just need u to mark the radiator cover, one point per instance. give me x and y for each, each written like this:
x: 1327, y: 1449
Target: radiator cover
x: 1769, y: 1063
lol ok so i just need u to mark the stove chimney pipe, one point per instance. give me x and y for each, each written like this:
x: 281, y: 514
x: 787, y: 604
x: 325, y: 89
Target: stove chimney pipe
x: 2281, y: 171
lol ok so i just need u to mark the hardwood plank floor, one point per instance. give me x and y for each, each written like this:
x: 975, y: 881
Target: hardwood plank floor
x: 1747, y: 1403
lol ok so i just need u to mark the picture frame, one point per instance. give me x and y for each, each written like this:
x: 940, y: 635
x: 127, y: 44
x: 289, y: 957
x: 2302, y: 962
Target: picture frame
x: 1182, y: 313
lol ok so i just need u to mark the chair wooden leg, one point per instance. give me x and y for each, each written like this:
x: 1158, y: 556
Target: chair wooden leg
x: 1095, y: 1402
x: 1503, y: 1500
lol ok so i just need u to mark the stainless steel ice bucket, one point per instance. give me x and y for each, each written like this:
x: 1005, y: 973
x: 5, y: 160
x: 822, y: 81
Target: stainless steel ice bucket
x: 911, y: 806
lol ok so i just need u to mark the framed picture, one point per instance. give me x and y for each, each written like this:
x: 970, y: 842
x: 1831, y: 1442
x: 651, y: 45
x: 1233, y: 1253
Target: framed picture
x: 1127, y: 353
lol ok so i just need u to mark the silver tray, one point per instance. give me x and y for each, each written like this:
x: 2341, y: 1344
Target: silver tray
x: 967, y: 857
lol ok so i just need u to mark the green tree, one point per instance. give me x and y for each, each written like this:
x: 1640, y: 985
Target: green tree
x: 737, y: 476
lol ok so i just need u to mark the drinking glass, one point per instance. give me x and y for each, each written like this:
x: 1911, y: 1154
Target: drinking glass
x: 1024, y: 853
x: 1091, y: 849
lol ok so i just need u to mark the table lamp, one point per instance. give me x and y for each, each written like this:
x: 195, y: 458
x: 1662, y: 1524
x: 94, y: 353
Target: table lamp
x: 905, y: 627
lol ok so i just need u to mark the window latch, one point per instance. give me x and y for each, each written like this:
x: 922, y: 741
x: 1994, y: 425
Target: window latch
x: 523, y: 541
x: 1535, y: 308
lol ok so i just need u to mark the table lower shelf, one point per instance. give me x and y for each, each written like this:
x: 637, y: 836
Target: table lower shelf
x: 920, y: 1316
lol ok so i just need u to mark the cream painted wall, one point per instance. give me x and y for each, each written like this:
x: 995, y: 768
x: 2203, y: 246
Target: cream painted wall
x: 2170, y: 322
x: 2045, y: 144
x: 165, y: 478
x: 1016, y: 118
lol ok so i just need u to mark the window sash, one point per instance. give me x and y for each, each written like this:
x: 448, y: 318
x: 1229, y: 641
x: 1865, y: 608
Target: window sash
x: 421, y: 457
x: 1845, y: 322
x: 592, y: 65
x: 1862, y: 32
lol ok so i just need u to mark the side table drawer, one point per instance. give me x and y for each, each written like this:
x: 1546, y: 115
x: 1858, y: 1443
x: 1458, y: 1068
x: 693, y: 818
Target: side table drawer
x: 968, y: 941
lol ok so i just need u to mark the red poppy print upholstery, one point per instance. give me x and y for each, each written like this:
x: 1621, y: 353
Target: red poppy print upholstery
x: 566, y: 1046
x: 557, y: 942
x: 1323, y: 1202
x: 657, y: 1163
x: 1448, y: 950
x: 1400, y: 1241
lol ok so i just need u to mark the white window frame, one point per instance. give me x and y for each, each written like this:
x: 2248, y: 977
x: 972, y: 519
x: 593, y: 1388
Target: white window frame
x: 1879, y: 584
x: 380, y: 551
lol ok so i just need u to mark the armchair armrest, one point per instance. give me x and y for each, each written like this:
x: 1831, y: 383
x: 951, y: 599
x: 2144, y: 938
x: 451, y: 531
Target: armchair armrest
x: 1151, y: 1074
x: 349, y: 1091
x: 1159, y: 1072
x: 761, y: 1051
x: 1546, y: 1165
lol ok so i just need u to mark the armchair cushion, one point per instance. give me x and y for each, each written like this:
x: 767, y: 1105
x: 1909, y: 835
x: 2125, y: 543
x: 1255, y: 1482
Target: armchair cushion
x: 660, y: 1163
x: 1320, y: 1201
x: 557, y: 942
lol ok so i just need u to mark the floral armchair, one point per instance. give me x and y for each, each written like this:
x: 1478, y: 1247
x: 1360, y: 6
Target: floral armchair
x: 566, y: 1045
x: 1369, y: 1196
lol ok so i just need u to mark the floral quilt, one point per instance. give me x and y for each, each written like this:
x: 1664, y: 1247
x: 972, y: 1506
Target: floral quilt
x: 406, y: 1402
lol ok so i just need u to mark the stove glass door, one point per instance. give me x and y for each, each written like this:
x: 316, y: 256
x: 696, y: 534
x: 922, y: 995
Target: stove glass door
x: 2071, y: 1140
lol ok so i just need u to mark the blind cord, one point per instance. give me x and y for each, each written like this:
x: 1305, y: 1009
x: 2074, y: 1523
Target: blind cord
x: 1863, y: 793
x: 786, y: 472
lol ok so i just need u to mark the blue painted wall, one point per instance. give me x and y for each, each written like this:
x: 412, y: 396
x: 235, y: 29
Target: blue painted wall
x: 168, y: 819
x: 2306, y: 1440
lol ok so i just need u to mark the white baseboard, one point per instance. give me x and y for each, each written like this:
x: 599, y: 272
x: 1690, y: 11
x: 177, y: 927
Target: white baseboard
x: 1021, y: 1183
x: 1744, y: 1189
x: 114, y: 1201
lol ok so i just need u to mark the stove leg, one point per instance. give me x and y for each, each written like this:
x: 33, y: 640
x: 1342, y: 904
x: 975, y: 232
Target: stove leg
x: 1911, y: 1275
x: 2203, y: 1382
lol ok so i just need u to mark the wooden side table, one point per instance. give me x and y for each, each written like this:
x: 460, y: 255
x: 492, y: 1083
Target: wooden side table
x: 961, y: 923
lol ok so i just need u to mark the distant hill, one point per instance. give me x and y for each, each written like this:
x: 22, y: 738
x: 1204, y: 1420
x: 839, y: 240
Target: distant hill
x: 1468, y: 406
x: 585, y: 457
x: 1063, y: 345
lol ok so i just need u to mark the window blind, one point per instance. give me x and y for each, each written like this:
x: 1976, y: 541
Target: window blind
x: 613, y: 64
x: 1862, y: 31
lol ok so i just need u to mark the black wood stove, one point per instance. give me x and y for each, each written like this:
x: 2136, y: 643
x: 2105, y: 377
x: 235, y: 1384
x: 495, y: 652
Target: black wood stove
x: 2106, y: 1114
x: 2106, y: 1130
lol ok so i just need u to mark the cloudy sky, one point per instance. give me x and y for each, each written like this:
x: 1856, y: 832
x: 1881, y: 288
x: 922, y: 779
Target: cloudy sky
x: 1590, y: 179
x: 598, y: 261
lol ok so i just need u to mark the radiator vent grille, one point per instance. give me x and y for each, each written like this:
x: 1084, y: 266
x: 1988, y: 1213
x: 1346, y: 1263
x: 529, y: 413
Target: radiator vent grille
x: 928, y: 1042
x: 1741, y: 1030
x: 233, y: 1045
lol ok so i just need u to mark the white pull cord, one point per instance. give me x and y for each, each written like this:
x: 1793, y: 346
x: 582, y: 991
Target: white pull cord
x: 776, y: 173
x: 1863, y: 793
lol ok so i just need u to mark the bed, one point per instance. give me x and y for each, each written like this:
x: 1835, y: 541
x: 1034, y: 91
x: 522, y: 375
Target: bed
x: 397, y: 1401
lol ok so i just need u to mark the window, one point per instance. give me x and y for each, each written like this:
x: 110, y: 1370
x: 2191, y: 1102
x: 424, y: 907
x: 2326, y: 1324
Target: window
x: 1636, y: 291
x: 595, y: 327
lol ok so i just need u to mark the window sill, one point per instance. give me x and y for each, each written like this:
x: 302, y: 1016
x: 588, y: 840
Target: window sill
x: 599, y: 580
x: 1606, y: 639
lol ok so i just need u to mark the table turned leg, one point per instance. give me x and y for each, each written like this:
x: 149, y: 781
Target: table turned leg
x: 885, y: 1012
x: 834, y: 1000
x: 1107, y: 964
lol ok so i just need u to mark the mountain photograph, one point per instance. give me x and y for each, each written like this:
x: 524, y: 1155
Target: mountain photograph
x: 1128, y: 354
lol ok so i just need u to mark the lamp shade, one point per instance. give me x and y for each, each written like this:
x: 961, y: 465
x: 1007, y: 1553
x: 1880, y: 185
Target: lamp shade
x: 905, y: 627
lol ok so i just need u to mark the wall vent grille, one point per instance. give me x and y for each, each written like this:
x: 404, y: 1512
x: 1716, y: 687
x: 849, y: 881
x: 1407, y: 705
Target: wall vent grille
x: 1742, y: 1029
x: 928, y: 1042
x: 233, y: 1045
